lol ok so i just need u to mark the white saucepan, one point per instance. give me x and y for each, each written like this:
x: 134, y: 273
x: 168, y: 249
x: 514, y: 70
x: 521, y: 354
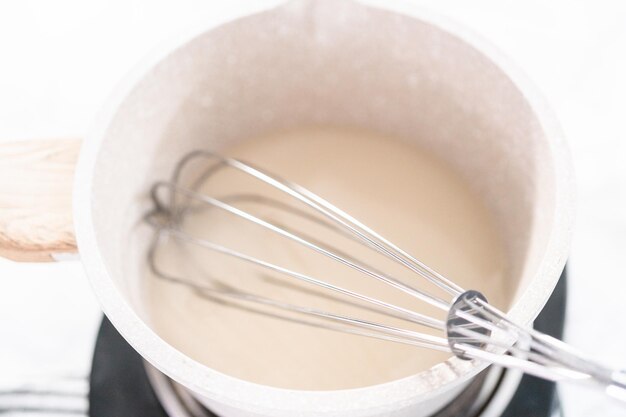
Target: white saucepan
x: 395, y: 69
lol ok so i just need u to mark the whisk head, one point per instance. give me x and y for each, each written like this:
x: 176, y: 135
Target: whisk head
x: 470, y: 328
x: 176, y: 199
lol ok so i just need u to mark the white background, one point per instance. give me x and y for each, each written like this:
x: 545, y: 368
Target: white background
x: 59, y: 60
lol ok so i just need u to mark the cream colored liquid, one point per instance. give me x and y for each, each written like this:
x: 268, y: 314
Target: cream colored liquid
x: 404, y: 194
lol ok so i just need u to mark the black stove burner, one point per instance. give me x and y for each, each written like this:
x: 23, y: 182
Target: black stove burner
x: 120, y: 386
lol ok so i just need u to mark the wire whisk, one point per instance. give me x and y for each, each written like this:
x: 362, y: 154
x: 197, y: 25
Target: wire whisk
x: 472, y: 329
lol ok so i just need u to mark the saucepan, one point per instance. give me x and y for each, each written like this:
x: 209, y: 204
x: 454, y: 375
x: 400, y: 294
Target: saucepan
x: 387, y: 67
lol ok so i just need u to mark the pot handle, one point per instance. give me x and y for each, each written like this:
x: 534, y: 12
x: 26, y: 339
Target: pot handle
x: 36, y: 180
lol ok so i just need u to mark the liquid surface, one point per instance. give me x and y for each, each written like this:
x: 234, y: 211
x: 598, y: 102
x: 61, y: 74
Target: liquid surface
x: 406, y: 195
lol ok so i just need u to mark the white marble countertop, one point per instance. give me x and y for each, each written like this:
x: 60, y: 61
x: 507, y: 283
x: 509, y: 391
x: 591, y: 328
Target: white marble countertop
x: 59, y: 60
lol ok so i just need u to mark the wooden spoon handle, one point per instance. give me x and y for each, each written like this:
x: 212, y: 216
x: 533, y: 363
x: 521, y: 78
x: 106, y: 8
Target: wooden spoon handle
x: 36, y: 180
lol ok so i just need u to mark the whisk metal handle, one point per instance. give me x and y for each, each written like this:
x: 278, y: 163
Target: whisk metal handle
x: 617, y: 389
x: 477, y: 330
x: 613, y: 382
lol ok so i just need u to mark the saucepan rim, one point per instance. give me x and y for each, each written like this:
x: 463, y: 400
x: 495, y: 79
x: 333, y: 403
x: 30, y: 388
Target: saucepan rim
x: 245, y: 395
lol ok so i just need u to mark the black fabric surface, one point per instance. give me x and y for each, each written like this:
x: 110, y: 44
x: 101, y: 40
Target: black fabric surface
x: 119, y: 386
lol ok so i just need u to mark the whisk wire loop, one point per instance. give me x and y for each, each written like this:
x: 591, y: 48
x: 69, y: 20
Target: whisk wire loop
x: 474, y: 329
